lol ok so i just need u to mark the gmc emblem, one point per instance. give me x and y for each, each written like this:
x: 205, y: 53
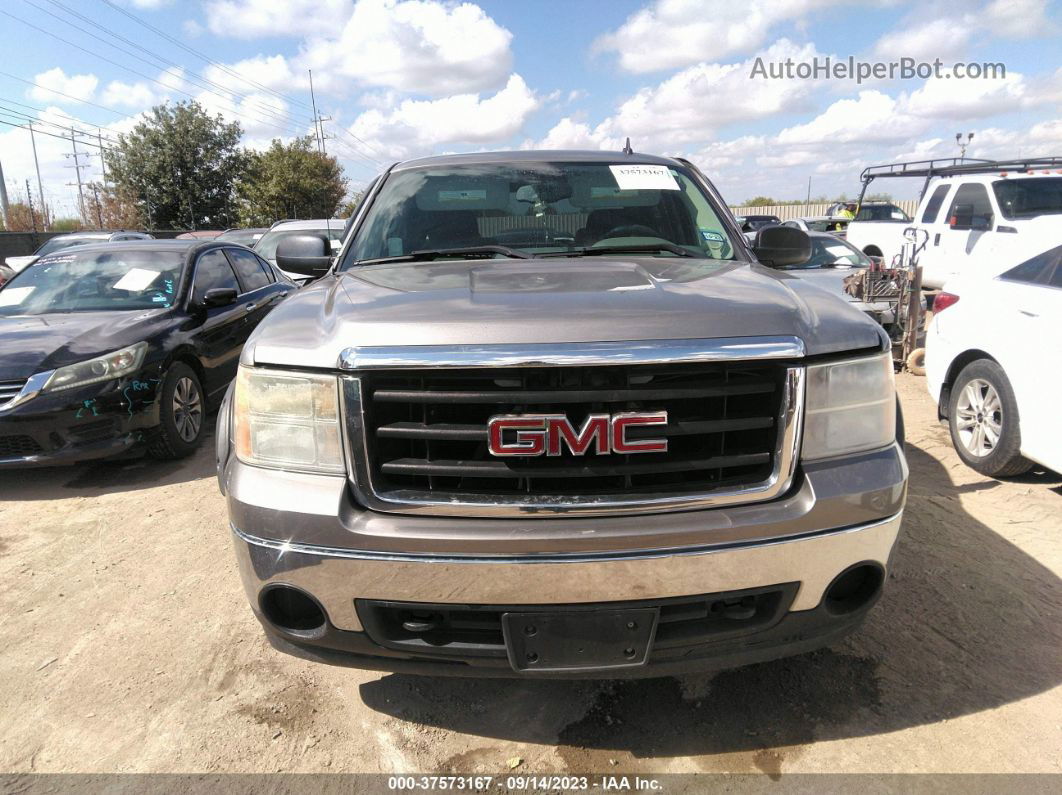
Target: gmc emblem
x: 544, y: 434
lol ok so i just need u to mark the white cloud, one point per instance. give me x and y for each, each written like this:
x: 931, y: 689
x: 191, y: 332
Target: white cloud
x: 141, y: 94
x: 947, y: 97
x: 938, y: 38
x: 415, y: 46
x: 870, y: 117
x: 692, y: 105
x: 418, y: 127
x: 924, y: 37
x: 248, y: 19
x: 674, y: 33
x: 55, y: 83
x: 271, y: 71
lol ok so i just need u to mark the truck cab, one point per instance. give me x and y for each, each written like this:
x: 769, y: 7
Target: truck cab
x: 971, y: 215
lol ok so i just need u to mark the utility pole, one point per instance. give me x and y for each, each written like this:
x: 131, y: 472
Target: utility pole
x: 807, y: 202
x: 103, y: 157
x: 99, y: 210
x: 29, y: 201
x: 37, y: 166
x: 316, y: 119
x: 77, y: 170
x: 3, y: 197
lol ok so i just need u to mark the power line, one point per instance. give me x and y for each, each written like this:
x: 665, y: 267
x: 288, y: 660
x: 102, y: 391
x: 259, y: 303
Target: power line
x: 61, y: 116
x: 233, y: 109
x: 237, y: 75
x: 160, y: 62
x: 38, y: 120
x: 201, y: 56
x: 60, y: 93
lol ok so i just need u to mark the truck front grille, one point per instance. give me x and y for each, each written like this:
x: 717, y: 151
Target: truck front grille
x: 421, y: 435
x: 9, y: 390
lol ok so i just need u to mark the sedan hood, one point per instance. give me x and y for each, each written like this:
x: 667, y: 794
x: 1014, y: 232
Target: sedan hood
x: 36, y: 343
x: 552, y: 301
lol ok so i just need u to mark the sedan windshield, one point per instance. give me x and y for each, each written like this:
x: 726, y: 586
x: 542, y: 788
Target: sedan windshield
x: 1028, y: 198
x: 540, y: 209
x: 97, y: 281
x: 267, y: 243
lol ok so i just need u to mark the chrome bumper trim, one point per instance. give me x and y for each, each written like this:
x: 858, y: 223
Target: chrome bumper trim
x: 336, y: 577
x: 586, y: 354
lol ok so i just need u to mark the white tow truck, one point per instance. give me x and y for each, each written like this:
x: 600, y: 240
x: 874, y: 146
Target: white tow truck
x: 974, y: 213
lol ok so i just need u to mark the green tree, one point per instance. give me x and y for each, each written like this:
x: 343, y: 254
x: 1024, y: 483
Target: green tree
x: 350, y: 206
x: 760, y: 201
x: 180, y: 167
x: 291, y: 180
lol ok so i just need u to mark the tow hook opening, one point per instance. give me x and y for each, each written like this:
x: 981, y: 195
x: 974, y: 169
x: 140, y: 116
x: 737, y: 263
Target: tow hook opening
x: 854, y: 589
x: 291, y: 609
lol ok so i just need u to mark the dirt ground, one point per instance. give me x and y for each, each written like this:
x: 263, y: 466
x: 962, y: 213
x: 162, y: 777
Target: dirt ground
x: 128, y: 646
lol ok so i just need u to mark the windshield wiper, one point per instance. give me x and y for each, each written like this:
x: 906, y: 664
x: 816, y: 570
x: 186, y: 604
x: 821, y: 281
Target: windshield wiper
x: 641, y: 248
x: 426, y: 255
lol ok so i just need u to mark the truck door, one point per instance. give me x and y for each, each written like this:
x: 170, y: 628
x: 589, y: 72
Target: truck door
x: 966, y: 233
x: 932, y: 222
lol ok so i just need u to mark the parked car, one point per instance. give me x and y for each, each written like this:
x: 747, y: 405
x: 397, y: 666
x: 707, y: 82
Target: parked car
x: 115, y: 346
x: 992, y: 364
x: 245, y: 237
x: 614, y: 445
x: 971, y: 215
x: 819, y: 223
x: 833, y: 261
x: 6, y: 272
x: 869, y: 211
x: 332, y: 228
x: 199, y: 234
x: 60, y: 242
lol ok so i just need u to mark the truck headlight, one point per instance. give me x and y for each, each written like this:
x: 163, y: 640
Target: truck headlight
x: 286, y: 420
x: 850, y: 406
x: 102, y: 368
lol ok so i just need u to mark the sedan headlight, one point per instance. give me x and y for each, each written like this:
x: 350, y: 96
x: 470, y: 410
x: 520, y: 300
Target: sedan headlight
x: 850, y: 406
x: 287, y: 420
x: 102, y: 368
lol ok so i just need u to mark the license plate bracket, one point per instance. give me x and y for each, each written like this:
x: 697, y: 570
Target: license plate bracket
x: 578, y: 640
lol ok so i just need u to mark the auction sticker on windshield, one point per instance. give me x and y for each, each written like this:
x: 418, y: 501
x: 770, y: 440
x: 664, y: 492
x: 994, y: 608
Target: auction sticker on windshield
x: 136, y: 279
x: 642, y: 177
x: 13, y: 296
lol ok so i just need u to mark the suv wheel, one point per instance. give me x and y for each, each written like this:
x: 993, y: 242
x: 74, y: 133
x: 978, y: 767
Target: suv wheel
x: 983, y: 418
x: 182, y: 411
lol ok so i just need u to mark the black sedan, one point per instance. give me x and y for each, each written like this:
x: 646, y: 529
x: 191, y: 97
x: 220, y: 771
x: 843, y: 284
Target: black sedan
x: 104, y: 348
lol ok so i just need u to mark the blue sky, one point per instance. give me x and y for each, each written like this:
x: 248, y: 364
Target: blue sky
x: 403, y: 78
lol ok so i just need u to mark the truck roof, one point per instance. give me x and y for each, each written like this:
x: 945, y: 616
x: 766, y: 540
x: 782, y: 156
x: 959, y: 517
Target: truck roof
x: 539, y: 156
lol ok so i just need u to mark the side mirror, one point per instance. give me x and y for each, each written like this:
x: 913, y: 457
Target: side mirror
x: 779, y: 246
x: 219, y: 296
x: 308, y: 255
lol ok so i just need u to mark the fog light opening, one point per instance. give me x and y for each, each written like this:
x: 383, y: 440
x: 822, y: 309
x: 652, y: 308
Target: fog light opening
x: 291, y: 609
x: 854, y: 588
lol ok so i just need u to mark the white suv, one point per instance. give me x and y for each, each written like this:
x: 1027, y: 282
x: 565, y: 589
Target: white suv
x: 993, y: 355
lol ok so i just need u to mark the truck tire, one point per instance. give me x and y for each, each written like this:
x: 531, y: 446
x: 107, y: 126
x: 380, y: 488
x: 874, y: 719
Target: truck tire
x: 916, y: 362
x: 182, y: 414
x: 983, y: 419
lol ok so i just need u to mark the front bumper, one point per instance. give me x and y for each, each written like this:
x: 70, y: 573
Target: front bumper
x: 306, y: 532
x: 343, y: 582
x: 97, y: 421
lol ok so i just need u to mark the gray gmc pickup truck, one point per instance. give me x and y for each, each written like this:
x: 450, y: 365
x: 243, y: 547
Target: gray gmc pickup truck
x: 550, y: 414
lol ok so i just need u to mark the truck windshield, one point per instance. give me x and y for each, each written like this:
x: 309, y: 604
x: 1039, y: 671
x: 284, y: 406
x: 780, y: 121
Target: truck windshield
x: 1028, y: 198
x: 99, y: 281
x: 541, y: 209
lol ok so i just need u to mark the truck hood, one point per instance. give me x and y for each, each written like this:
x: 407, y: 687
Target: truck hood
x: 36, y: 343
x: 506, y: 301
